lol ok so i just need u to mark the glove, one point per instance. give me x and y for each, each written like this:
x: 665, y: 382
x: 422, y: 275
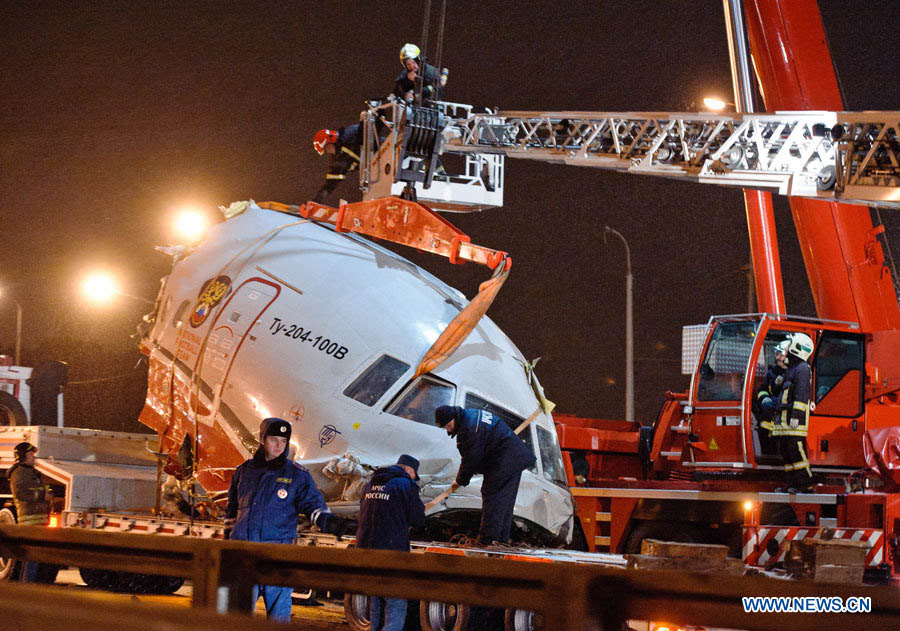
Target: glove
x: 795, y: 423
x: 337, y: 526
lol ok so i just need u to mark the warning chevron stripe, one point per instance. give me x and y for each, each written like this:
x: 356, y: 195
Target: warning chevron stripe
x: 756, y: 541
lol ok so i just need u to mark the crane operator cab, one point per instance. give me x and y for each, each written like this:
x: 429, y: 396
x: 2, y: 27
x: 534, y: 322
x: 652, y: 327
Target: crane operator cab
x: 725, y: 414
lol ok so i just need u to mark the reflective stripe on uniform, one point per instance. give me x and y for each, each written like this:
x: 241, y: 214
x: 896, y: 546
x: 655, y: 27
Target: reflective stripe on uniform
x: 335, y: 176
x: 33, y: 520
x: 800, y: 405
x: 350, y: 153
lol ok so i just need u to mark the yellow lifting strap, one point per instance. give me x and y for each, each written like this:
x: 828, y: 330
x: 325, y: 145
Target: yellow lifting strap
x: 465, y: 321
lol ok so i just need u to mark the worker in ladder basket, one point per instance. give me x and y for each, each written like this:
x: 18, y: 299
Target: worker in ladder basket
x: 792, y: 415
x: 487, y: 445
x: 408, y: 82
x: 769, y: 394
x: 343, y: 147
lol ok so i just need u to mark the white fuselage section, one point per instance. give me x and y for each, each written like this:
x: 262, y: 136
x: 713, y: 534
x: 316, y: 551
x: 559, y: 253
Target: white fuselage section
x: 276, y: 316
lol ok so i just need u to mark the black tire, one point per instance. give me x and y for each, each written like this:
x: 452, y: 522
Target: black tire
x: 356, y: 611
x: 97, y: 579
x: 9, y: 568
x: 11, y: 411
x: 435, y: 616
x: 46, y: 573
x: 664, y: 531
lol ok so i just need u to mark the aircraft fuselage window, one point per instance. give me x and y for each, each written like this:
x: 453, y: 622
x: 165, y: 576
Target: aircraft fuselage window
x: 513, y: 420
x: 177, y: 320
x: 419, y: 402
x: 722, y: 369
x: 376, y: 380
x: 551, y: 457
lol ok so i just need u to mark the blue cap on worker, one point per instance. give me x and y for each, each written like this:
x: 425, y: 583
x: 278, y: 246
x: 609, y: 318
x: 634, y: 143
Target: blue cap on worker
x: 410, y: 462
x: 446, y: 413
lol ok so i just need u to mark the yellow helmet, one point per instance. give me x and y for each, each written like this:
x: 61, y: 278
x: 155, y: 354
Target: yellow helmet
x: 409, y: 51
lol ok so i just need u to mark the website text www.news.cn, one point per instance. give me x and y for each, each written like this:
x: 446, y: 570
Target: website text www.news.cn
x: 806, y: 604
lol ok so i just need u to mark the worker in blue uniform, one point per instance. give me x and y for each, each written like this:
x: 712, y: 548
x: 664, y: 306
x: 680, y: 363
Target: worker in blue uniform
x: 792, y: 415
x: 390, y: 504
x: 267, y: 493
x: 487, y: 445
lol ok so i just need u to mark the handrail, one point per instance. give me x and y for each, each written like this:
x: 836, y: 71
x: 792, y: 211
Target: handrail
x: 571, y: 596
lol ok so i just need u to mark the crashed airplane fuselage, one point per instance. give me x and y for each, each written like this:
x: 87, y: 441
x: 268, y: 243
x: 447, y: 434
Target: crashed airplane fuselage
x: 273, y: 315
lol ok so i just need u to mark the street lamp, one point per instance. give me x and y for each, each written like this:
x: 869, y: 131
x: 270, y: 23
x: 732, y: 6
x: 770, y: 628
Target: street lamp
x: 18, y: 331
x: 101, y: 288
x: 629, y: 327
x: 190, y: 224
x: 715, y: 104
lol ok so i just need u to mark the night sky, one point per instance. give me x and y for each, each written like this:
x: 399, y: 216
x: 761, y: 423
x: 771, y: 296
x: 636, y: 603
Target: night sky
x: 114, y: 114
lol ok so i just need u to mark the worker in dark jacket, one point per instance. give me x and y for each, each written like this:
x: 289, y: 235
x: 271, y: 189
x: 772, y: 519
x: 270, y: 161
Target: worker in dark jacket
x: 390, y: 505
x: 343, y: 148
x: 267, y: 493
x: 769, y: 394
x: 408, y: 82
x: 792, y: 415
x: 31, y: 497
x: 487, y: 445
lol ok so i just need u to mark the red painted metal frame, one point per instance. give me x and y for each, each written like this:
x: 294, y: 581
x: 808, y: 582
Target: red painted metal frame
x: 844, y: 261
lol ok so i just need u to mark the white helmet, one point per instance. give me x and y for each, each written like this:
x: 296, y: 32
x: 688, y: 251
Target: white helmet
x: 801, y: 346
x: 409, y: 51
x: 782, y: 347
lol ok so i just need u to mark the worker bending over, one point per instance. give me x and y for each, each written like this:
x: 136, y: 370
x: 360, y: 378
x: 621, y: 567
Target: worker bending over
x: 792, y: 415
x: 390, y: 505
x: 487, y: 445
x: 267, y: 493
x: 343, y: 148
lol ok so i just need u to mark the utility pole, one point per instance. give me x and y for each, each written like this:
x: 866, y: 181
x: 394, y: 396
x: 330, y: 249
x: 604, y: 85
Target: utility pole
x: 629, y: 327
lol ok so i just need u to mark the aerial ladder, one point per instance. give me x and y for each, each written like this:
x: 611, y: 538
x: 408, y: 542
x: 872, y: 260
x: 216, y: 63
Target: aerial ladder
x: 831, y: 163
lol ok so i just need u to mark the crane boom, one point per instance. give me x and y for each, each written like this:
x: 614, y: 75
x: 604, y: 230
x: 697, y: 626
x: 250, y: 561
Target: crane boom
x: 847, y: 156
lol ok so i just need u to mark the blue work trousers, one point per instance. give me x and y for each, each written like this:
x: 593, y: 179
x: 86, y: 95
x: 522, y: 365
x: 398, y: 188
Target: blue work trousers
x: 29, y: 572
x: 497, y: 506
x: 277, y: 599
x: 389, y: 613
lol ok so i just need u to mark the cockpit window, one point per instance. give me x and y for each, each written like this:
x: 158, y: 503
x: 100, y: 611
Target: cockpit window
x: 376, y: 380
x: 551, y: 457
x: 723, y: 367
x: 419, y: 402
x: 474, y: 401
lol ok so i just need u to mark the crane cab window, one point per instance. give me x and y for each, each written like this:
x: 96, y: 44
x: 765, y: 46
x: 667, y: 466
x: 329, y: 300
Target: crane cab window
x: 376, y: 380
x: 723, y: 366
x: 838, y: 375
x: 513, y: 420
x: 418, y: 401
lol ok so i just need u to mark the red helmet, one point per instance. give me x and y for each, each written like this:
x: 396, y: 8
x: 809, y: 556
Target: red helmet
x: 323, y: 138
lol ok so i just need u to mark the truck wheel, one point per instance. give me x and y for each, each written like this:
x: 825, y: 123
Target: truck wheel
x: 356, y: 610
x: 436, y: 616
x: 9, y: 568
x: 681, y: 533
x: 11, y: 411
x: 523, y: 620
x: 97, y: 579
x: 46, y: 573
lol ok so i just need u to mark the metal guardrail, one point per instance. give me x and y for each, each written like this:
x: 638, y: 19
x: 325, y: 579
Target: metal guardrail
x: 571, y: 596
x: 33, y: 607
